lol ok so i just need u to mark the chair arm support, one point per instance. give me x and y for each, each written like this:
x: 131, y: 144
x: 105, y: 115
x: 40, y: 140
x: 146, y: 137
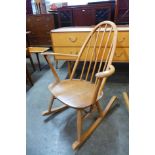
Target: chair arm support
x: 59, y: 54
x: 106, y: 73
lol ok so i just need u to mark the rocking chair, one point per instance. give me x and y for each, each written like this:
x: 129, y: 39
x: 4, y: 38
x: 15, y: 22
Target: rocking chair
x: 84, y: 92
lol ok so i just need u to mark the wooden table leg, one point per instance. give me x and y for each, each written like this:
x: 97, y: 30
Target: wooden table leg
x: 32, y: 63
x: 29, y: 77
x: 28, y: 55
x: 69, y: 68
x: 38, y: 61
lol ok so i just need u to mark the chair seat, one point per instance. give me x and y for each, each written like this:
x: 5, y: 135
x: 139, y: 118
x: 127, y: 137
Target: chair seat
x: 74, y: 93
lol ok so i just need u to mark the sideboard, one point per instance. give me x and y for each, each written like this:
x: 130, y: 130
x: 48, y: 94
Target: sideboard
x: 69, y: 40
x: 86, y: 15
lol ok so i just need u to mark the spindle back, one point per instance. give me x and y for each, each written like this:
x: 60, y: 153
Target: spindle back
x: 97, y: 51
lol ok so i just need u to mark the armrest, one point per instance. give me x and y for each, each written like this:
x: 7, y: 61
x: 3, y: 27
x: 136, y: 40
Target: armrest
x: 59, y: 54
x: 106, y: 73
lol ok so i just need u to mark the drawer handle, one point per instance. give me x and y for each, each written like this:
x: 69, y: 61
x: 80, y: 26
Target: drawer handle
x: 122, y: 40
x: 83, y: 10
x: 72, y: 39
x: 119, y: 55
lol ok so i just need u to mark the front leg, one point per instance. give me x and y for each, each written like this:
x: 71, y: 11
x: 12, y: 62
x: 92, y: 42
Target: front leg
x: 47, y: 112
x: 54, y: 110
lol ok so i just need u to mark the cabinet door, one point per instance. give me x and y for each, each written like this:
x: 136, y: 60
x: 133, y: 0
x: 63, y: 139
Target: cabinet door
x: 65, y: 17
x: 122, y: 12
x: 84, y: 16
x: 102, y: 14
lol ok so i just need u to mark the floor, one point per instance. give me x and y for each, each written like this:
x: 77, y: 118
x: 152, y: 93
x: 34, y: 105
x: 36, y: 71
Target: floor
x: 54, y: 135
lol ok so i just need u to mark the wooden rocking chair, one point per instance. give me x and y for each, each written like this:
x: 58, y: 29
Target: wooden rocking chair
x: 83, y: 93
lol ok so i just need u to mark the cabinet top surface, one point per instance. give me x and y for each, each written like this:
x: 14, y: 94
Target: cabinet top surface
x: 84, y: 29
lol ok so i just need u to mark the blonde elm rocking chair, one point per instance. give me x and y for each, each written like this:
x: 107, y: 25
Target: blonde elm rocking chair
x: 83, y: 94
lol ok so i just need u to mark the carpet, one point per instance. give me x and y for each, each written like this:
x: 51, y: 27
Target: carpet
x: 54, y: 135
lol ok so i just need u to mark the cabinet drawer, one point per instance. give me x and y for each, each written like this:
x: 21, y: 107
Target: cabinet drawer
x: 71, y: 50
x: 68, y: 39
x: 77, y: 39
x: 121, y: 54
x: 75, y: 51
x: 122, y: 40
x: 66, y: 50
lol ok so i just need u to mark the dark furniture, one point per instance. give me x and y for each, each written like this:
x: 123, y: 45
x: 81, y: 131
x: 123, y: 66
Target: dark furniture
x: 28, y: 7
x: 94, y: 12
x: 122, y: 12
x: 55, y: 16
x: 65, y: 17
x: 28, y: 55
x: 85, y: 15
x: 37, y: 51
x: 40, y: 26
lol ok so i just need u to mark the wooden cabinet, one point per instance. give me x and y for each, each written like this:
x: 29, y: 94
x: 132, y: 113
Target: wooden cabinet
x: 122, y: 12
x: 85, y: 15
x: 40, y: 27
x: 69, y: 40
x: 28, y: 7
x: 104, y: 12
x: 93, y: 13
x: 65, y: 17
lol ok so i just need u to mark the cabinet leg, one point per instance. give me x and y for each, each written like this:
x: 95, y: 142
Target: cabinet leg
x: 69, y: 68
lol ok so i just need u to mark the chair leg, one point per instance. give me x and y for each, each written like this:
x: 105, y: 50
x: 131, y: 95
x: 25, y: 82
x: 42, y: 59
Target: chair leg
x: 53, y: 110
x: 92, y: 109
x: 32, y: 62
x: 126, y: 99
x: 28, y: 76
x: 79, y: 124
x: 99, y: 109
x: 49, y: 106
x: 38, y: 61
x: 87, y: 133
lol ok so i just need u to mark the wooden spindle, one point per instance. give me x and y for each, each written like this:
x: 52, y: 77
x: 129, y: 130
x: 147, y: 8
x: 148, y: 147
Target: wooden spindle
x: 92, y: 53
x: 80, y: 53
x: 83, y: 68
x: 106, y: 44
x: 113, y: 48
x: 98, y: 54
x: 107, y: 59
